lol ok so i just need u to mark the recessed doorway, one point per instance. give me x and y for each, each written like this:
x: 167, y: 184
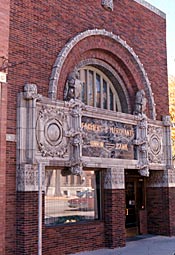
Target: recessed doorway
x: 135, y: 204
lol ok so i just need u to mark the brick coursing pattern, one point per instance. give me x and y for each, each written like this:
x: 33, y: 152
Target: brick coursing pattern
x: 160, y: 208
x: 114, y: 218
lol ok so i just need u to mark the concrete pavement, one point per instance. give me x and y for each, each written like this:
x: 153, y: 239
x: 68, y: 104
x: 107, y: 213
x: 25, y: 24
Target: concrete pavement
x: 140, y: 245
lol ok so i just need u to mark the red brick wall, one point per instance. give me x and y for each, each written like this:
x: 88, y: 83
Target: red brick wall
x: 4, y: 27
x: 172, y: 211
x: 158, y: 211
x: 69, y: 239
x: 40, y: 29
x: 143, y: 228
x: 114, y: 218
x: 4, y: 45
x: 27, y: 223
x: 3, y: 118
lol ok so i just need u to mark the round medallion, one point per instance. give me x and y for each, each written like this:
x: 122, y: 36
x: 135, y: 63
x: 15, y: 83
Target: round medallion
x: 53, y: 132
x: 155, y: 144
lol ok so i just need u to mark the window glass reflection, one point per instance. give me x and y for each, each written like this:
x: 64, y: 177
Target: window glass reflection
x: 71, y: 198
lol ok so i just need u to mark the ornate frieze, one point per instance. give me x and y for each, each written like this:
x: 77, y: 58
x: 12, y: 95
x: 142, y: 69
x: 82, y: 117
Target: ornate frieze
x: 68, y: 133
x: 114, y: 178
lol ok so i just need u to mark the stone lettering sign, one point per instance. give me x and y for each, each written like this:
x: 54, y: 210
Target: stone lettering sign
x: 105, y: 138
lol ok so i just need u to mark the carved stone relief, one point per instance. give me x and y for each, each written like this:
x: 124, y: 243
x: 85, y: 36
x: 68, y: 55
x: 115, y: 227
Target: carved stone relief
x: 155, y: 144
x: 73, y: 87
x: 30, y: 91
x: 157, y: 179
x: 27, y: 177
x: 51, y: 124
x: 52, y: 131
x: 141, y: 141
x: 164, y: 178
x: 140, y: 103
x: 107, y: 4
x: 114, y: 178
x: 171, y: 177
x: 75, y: 136
x: 168, y: 141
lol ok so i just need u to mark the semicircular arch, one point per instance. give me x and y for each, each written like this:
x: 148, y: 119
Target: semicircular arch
x: 57, y: 68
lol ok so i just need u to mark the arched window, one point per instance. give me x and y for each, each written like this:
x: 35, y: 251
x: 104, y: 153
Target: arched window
x: 98, y: 90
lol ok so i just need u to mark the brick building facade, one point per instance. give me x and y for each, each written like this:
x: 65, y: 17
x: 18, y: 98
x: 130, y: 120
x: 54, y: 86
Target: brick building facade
x: 102, y: 143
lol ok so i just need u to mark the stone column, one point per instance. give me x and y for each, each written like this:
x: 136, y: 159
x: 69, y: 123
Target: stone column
x: 114, y: 207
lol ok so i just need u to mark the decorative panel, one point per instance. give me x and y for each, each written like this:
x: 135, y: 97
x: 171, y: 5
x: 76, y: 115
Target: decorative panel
x: 109, y: 139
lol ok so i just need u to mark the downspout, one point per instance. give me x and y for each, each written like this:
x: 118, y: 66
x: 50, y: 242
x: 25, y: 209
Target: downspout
x: 40, y: 209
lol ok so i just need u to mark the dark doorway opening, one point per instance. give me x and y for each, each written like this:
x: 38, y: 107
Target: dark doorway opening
x: 135, y: 204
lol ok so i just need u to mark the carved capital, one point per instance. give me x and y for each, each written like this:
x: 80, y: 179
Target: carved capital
x: 164, y: 178
x: 167, y: 121
x: 114, y: 178
x: 27, y: 177
x: 158, y: 179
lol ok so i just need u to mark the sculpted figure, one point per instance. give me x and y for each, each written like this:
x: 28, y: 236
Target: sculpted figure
x: 140, y: 102
x: 30, y: 91
x: 73, y: 87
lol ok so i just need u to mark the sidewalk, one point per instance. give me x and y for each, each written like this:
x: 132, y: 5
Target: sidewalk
x: 140, y: 245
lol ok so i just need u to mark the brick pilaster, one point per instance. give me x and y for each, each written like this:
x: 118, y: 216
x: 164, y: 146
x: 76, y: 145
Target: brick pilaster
x: 3, y: 122
x: 158, y: 210
x: 27, y: 223
x: 114, y: 216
